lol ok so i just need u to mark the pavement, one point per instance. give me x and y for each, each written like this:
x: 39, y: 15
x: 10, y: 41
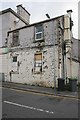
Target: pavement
x: 39, y: 89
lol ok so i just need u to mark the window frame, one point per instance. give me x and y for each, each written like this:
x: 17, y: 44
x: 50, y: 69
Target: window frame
x: 37, y: 63
x: 14, y: 61
x: 15, y: 38
x: 39, y: 32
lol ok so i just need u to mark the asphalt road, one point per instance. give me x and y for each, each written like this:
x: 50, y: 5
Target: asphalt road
x: 23, y: 104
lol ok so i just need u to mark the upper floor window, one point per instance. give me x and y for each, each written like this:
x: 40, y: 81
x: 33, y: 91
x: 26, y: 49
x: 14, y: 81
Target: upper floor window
x: 39, y: 32
x: 15, y: 40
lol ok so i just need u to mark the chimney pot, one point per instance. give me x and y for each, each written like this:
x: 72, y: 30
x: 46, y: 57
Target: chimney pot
x: 69, y: 11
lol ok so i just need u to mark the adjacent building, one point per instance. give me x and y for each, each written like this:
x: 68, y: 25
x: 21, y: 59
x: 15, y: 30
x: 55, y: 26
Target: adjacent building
x: 79, y: 35
x: 75, y: 58
x: 79, y: 20
x: 10, y: 20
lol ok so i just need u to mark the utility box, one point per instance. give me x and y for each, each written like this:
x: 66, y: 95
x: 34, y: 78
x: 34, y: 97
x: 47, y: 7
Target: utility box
x: 61, y: 84
x: 73, y: 84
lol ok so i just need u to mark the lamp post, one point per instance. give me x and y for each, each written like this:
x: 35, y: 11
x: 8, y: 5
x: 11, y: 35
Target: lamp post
x: 47, y: 15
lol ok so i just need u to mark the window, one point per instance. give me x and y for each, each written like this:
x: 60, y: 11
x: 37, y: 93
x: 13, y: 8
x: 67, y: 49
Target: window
x: 38, y: 62
x: 15, y: 59
x: 39, y: 32
x: 15, y: 40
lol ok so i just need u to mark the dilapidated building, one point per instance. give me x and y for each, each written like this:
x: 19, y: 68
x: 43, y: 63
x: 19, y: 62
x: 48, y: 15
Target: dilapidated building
x: 32, y: 60
x: 40, y: 53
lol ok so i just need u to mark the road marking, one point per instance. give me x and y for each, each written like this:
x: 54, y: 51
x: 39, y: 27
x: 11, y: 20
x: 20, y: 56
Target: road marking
x: 28, y: 107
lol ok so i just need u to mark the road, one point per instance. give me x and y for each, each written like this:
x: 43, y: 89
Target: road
x: 23, y: 104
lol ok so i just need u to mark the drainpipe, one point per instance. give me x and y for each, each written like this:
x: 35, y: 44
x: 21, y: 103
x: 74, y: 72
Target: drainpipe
x: 70, y: 46
x: 66, y: 44
x: 68, y: 23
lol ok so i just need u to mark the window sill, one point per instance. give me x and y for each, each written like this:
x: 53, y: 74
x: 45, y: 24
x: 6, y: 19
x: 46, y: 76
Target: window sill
x: 40, y: 73
x: 15, y: 45
x: 37, y: 72
x: 35, y: 41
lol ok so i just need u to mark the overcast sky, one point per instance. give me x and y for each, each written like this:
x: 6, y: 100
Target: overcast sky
x: 38, y: 9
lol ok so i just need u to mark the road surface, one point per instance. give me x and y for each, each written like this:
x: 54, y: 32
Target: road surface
x: 23, y: 104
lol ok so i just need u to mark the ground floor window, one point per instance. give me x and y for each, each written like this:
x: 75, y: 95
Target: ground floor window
x: 15, y: 59
x: 38, y: 62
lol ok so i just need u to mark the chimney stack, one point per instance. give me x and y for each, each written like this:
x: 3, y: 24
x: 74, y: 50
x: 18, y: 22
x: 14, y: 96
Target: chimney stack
x: 69, y: 12
x: 22, y: 12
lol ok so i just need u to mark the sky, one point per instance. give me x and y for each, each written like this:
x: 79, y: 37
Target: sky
x: 38, y: 9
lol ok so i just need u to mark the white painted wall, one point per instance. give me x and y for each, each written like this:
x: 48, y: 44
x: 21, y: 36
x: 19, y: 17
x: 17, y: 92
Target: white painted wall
x: 4, y: 65
x: 7, y: 25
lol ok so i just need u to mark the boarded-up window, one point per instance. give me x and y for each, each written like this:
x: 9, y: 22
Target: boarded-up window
x: 15, y: 40
x: 38, y: 62
x: 38, y: 56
